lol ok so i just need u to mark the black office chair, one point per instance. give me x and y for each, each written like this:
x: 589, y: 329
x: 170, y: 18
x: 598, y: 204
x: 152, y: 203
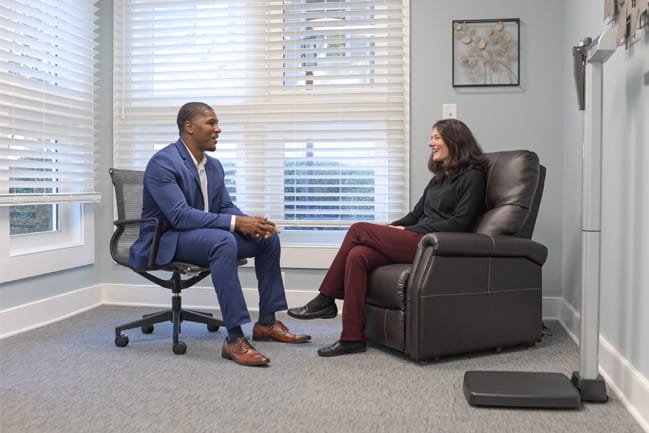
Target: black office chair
x: 128, y: 193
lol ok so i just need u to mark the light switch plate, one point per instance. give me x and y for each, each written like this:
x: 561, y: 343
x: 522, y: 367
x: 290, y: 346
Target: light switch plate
x: 449, y: 111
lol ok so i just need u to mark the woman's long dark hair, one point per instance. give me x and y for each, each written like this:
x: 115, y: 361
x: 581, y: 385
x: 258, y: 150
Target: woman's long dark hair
x: 464, y: 151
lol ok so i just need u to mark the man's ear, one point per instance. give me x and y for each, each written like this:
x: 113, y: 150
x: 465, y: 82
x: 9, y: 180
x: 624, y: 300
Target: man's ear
x: 189, y: 127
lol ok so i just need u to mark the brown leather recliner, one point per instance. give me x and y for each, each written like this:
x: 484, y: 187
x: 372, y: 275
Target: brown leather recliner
x: 467, y: 292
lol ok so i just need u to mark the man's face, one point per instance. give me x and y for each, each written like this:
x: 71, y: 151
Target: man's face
x: 204, y: 130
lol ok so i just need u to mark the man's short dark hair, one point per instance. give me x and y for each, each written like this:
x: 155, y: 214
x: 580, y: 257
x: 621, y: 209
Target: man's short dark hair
x: 189, y: 112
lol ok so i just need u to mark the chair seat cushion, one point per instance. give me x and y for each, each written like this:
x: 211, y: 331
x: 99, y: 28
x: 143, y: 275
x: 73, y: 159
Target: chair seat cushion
x: 184, y: 268
x: 387, y: 286
x: 190, y: 268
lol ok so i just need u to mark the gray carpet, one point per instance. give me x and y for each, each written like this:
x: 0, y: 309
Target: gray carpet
x: 70, y: 377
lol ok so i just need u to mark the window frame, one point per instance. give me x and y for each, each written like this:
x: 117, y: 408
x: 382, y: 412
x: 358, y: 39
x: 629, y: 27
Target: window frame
x: 73, y: 246
x: 48, y: 73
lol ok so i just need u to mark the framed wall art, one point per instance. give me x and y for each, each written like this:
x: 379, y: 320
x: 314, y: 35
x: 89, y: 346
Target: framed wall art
x: 486, y: 52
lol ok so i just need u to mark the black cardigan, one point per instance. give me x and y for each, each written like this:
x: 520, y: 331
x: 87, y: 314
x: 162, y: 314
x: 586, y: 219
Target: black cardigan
x: 447, y: 205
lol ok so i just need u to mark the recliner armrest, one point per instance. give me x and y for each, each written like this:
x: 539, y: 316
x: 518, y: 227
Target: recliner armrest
x: 387, y: 285
x: 481, y: 245
x: 470, y: 291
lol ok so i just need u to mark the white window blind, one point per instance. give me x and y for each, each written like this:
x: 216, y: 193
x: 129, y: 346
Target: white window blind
x: 312, y: 97
x: 46, y: 88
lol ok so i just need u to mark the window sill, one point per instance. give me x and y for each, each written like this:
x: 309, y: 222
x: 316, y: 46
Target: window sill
x: 304, y: 257
x: 311, y: 257
x: 22, y: 262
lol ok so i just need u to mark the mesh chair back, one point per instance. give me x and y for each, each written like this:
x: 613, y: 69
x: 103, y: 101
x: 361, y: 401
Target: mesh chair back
x: 128, y: 194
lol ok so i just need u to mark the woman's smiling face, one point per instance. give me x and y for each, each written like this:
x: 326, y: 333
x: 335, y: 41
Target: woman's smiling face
x: 439, y: 146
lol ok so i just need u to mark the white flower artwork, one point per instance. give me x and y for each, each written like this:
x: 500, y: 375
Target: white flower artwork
x: 485, y: 52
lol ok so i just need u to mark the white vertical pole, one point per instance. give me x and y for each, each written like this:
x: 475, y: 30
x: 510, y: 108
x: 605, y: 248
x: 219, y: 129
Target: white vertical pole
x: 591, y: 222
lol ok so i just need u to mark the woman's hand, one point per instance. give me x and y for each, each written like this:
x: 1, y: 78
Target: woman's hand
x: 397, y: 227
x: 256, y: 226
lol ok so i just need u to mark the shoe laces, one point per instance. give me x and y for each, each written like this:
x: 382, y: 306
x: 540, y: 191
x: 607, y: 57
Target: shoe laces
x: 281, y: 326
x: 245, y: 345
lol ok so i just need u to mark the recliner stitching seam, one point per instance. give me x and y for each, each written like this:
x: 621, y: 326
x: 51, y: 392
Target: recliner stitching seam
x: 493, y: 250
x: 385, y: 327
x: 481, y: 293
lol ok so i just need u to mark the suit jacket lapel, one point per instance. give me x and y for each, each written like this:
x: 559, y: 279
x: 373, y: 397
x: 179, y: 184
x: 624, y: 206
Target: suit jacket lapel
x: 211, y: 183
x: 189, y: 164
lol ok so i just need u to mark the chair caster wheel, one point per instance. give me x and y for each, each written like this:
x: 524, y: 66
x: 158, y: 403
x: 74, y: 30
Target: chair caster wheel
x: 147, y: 329
x: 121, y: 340
x: 212, y: 327
x: 180, y: 348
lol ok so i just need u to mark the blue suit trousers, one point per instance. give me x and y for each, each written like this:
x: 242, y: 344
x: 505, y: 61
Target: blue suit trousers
x: 220, y: 250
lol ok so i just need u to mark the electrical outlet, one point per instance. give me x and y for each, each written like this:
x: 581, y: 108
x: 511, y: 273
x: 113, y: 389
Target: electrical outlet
x: 449, y: 111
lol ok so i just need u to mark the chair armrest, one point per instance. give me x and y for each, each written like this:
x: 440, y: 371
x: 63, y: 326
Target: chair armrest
x: 470, y: 262
x: 387, y: 285
x: 481, y: 245
x: 470, y: 291
x: 134, y: 221
x: 156, y: 235
x: 465, y: 292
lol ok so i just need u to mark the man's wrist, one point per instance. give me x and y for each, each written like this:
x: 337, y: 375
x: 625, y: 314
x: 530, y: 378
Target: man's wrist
x: 233, y: 223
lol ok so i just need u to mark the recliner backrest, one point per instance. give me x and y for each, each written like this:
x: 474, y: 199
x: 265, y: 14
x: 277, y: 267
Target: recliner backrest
x: 514, y: 186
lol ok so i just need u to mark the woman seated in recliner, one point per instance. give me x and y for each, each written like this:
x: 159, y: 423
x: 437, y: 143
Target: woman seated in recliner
x: 451, y: 201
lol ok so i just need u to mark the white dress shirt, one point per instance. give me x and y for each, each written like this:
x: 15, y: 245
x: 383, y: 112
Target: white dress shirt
x: 202, y: 175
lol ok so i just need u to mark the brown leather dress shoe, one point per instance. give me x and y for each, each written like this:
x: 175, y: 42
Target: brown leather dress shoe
x: 242, y: 352
x: 278, y: 332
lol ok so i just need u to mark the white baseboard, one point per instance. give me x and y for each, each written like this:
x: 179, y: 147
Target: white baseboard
x: 199, y: 297
x: 551, y: 307
x: 631, y: 387
x: 45, y: 311
x: 628, y: 384
x: 143, y: 295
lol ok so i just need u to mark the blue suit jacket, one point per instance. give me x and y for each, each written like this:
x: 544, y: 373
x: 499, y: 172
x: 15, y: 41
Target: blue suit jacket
x: 172, y: 193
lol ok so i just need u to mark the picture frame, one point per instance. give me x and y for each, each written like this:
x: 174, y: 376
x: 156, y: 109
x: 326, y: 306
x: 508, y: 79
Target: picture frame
x: 486, y: 53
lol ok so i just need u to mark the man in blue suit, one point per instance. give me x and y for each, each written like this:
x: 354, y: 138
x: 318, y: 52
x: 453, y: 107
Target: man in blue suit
x: 185, y: 189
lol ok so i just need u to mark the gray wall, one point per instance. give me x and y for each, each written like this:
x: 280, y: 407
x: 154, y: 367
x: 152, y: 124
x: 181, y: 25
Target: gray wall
x: 624, y: 289
x: 541, y: 116
x: 104, y: 133
x: 528, y: 117
x: 33, y: 289
x: 509, y: 108
x: 517, y: 113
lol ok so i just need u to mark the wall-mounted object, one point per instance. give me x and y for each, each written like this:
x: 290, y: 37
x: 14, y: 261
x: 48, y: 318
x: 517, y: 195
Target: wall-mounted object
x: 486, y: 52
x: 629, y: 16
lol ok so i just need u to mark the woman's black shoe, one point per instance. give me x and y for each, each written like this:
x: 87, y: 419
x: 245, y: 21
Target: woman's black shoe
x: 315, y: 310
x: 343, y: 348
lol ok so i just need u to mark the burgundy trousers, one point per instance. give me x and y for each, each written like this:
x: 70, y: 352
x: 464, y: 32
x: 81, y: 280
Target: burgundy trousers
x: 366, y: 246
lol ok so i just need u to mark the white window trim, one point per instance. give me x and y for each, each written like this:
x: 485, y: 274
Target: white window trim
x: 78, y: 249
x: 55, y: 198
x: 314, y: 257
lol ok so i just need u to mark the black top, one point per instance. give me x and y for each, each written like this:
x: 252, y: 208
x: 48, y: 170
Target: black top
x: 447, y: 205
